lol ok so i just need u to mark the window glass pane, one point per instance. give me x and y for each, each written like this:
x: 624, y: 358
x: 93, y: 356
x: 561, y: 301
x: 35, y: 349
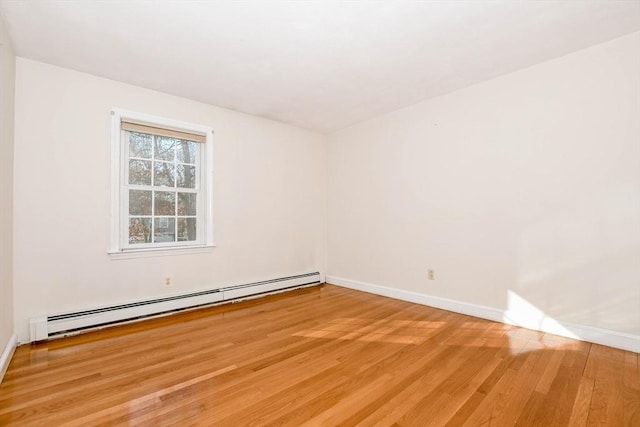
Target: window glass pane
x: 139, y: 230
x: 163, y: 194
x: 140, y: 172
x: 186, y: 229
x: 164, y: 203
x: 139, y: 202
x: 139, y: 145
x: 164, y: 230
x: 165, y: 148
x: 186, y: 204
x: 163, y: 174
x: 187, y: 151
x: 186, y: 176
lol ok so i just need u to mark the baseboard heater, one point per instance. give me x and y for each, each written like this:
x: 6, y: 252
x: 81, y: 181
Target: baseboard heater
x: 45, y: 327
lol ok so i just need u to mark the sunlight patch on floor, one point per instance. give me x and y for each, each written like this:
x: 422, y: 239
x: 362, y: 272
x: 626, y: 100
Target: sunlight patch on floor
x: 371, y: 330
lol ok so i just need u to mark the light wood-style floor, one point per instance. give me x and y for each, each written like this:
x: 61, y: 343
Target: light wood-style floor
x: 320, y: 356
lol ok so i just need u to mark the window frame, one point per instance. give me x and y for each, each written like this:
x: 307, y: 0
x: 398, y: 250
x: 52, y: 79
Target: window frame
x: 119, y: 248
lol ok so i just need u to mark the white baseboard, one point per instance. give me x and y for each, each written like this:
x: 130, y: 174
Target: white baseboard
x: 538, y: 322
x: 53, y: 325
x: 5, y: 359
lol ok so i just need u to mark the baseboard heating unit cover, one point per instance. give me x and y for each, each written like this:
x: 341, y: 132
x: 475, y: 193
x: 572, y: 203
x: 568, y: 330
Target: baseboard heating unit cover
x: 44, y: 327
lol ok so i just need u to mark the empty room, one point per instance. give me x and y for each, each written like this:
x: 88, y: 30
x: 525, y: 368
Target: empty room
x: 319, y: 213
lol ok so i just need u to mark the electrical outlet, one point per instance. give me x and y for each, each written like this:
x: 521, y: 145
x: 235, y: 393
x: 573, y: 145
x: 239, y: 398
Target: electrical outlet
x: 167, y: 281
x: 431, y: 275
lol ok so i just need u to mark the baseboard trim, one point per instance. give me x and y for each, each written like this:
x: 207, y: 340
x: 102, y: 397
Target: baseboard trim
x: 50, y: 326
x: 540, y: 323
x: 7, y: 354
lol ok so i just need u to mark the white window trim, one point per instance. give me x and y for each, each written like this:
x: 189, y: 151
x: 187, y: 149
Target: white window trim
x: 117, y: 179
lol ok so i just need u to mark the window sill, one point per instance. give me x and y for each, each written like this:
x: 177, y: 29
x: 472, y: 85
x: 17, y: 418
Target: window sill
x: 156, y: 252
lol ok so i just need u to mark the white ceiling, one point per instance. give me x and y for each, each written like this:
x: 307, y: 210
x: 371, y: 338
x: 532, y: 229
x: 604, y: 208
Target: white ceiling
x: 321, y: 65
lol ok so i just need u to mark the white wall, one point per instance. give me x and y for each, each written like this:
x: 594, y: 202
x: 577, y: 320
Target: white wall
x: 270, y: 197
x: 7, y: 76
x: 528, y: 183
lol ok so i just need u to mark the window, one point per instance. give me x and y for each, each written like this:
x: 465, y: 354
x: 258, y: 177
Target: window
x: 162, y: 189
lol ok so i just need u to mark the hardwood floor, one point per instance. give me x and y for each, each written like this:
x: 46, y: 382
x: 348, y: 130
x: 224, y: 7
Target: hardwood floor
x: 320, y: 356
